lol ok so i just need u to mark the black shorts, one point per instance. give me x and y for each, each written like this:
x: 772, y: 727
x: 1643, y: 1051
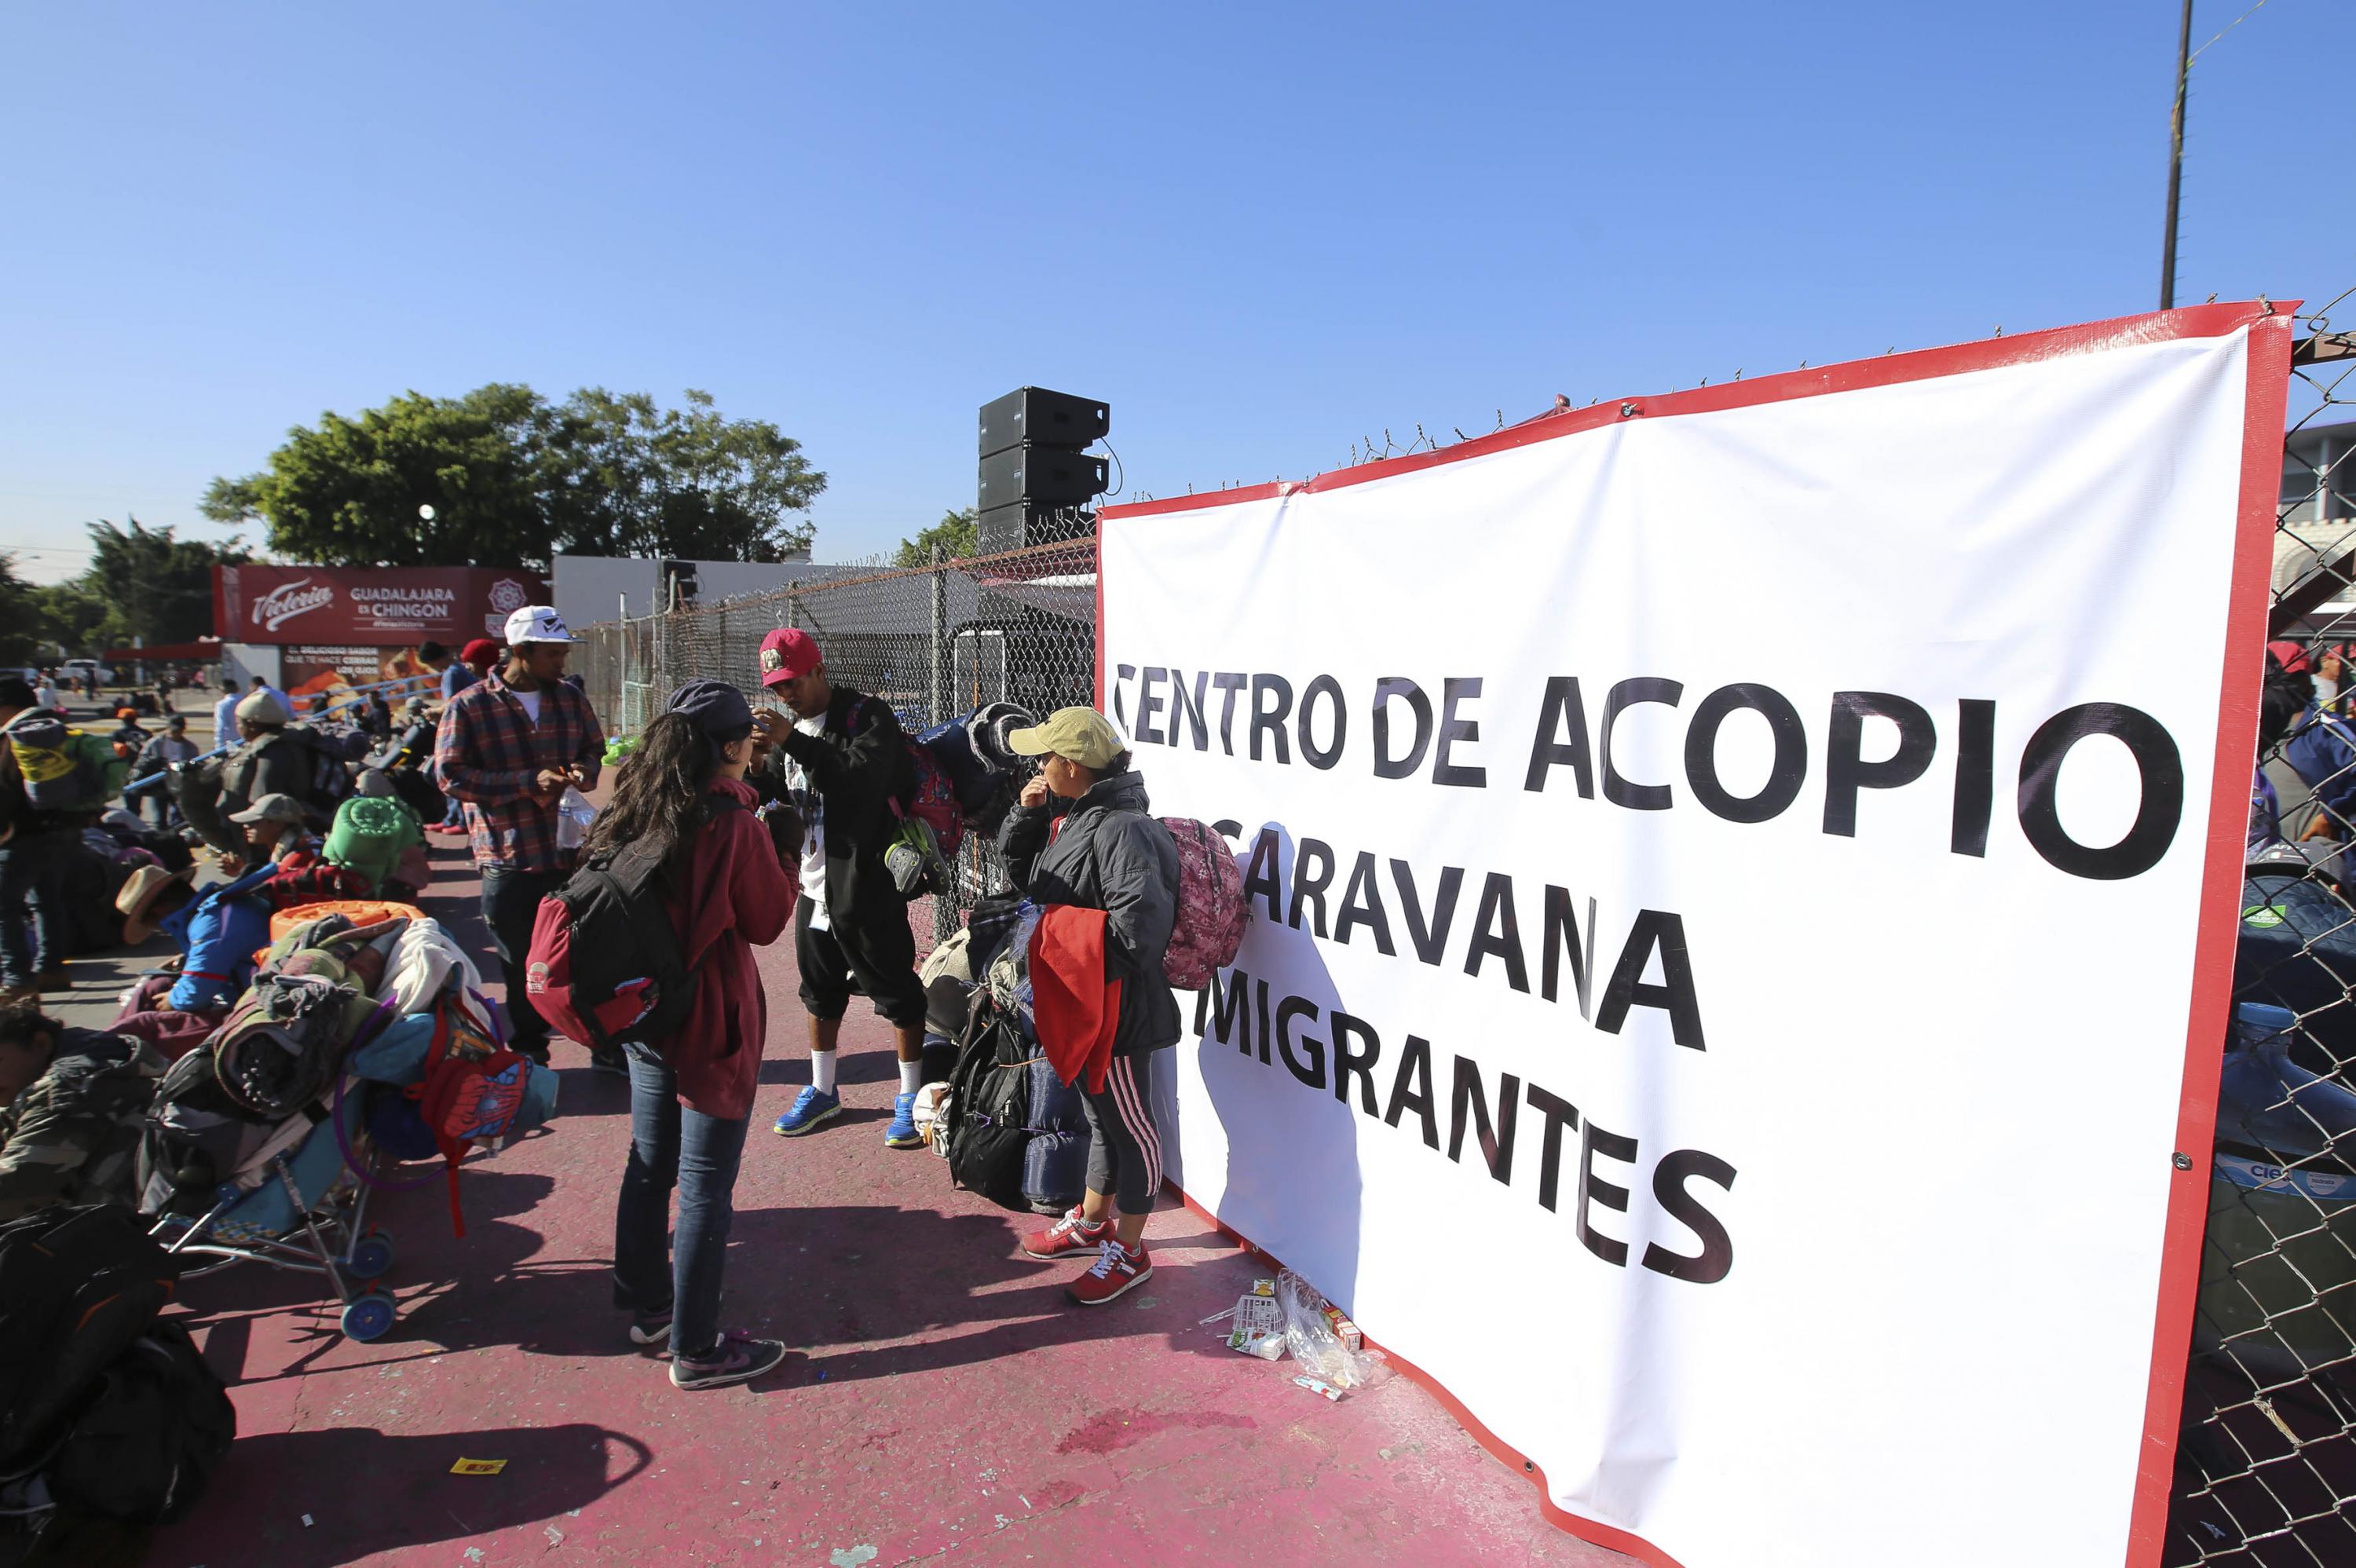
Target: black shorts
x: 879, y: 956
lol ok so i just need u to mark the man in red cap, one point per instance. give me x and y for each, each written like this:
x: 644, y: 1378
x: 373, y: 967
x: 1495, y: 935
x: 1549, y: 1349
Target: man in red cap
x: 843, y: 758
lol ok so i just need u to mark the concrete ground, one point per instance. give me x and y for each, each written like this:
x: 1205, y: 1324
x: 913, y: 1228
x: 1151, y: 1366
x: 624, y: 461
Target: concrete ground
x: 946, y: 1401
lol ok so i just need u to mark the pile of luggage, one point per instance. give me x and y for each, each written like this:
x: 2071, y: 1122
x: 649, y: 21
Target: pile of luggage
x: 361, y: 1043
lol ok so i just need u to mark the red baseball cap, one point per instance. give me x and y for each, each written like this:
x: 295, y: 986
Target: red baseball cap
x: 2292, y: 657
x: 482, y: 650
x: 788, y: 654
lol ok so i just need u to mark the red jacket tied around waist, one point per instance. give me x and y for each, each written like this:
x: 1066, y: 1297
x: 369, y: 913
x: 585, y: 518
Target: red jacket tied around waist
x: 1074, y: 1007
x: 732, y: 896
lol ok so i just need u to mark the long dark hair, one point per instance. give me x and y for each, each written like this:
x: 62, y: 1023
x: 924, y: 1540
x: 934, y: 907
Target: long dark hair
x: 658, y: 801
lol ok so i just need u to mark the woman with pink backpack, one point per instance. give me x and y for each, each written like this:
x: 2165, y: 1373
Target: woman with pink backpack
x: 682, y: 796
x: 1081, y: 844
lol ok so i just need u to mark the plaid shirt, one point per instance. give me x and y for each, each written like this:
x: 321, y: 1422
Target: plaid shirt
x: 487, y: 753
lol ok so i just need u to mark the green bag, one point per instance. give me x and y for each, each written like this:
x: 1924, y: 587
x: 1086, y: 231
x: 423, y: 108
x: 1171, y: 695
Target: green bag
x: 369, y: 834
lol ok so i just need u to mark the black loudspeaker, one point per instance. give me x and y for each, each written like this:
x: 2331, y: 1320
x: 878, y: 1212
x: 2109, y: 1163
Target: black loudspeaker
x: 1045, y: 475
x: 1049, y: 419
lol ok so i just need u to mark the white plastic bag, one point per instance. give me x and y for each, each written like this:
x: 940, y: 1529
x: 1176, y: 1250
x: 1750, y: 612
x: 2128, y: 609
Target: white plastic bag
x: 1309, y: 1335
x: 573, y: 815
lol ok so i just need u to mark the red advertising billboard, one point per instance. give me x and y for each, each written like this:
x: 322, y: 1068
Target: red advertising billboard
x: 389, y: 606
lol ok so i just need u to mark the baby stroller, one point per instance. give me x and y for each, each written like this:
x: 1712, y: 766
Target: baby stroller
x: 258, y: 1146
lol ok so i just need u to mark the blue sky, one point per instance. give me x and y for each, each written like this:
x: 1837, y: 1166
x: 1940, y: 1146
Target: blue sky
x: 1262, y: 234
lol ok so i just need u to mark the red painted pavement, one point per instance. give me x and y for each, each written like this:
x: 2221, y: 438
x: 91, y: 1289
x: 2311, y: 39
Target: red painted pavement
x: 948, y: 1402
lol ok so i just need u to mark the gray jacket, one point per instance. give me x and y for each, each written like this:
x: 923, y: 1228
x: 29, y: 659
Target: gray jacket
x: 1110, y: 855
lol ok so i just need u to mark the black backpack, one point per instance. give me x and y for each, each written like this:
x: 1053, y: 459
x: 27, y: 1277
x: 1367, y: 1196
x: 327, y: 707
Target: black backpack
x: 149, y: 1436
x: 78, y: 1286
x: 989, y: 1124
x: 605, y: 966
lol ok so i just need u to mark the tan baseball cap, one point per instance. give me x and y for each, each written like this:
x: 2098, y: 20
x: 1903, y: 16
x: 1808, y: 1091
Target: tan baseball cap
x: 1082, y: 735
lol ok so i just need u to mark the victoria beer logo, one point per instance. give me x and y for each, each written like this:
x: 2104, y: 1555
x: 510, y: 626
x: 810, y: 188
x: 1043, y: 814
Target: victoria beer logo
x: 283, y: 603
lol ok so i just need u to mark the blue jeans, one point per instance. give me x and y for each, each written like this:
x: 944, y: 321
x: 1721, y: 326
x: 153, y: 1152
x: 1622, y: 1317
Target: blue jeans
x: 33, y: 904
x: 673, y: 1145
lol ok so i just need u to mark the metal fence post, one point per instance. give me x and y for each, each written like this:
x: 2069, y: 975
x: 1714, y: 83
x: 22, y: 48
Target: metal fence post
x: 939, y: 698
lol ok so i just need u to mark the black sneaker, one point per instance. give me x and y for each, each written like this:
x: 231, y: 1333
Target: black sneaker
x: 610, y: 1060
x: 738, y: 1359
x: 650, y: 1328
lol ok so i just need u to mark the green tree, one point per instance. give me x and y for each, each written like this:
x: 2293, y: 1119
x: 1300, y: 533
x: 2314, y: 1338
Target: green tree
x: 154, y: 588
x: 515, y: 479
x: 958, y: 533
x: 20, y: 616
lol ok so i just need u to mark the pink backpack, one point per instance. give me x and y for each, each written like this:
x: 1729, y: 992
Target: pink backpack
x: 1211, y: 912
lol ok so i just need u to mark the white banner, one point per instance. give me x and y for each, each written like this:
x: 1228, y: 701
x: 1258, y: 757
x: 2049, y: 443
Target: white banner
x: 1725, y: 892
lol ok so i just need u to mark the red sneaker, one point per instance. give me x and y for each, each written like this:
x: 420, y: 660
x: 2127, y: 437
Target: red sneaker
x: 1067, y: 1235
x: 1116, y: 1270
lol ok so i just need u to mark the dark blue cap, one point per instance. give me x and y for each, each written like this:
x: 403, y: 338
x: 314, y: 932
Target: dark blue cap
x: 713, y: 707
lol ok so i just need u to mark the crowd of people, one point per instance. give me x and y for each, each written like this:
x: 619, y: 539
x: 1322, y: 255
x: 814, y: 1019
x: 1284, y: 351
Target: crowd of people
x: 790, y: 815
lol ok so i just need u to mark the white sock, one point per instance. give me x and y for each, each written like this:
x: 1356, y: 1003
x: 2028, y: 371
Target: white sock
x: 912, y: 1077
x: 822, y: 1070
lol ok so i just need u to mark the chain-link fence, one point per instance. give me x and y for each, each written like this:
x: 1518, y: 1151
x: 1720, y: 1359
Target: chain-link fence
x: 2267, y: 1450
x: 934, y: 642
x: 2267, y: 1467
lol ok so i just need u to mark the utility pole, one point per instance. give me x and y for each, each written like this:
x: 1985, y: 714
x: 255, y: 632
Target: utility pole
x: 2175, y: 159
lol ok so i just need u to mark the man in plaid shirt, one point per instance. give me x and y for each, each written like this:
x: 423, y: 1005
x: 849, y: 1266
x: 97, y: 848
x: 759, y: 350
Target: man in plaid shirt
x: 508, y: 747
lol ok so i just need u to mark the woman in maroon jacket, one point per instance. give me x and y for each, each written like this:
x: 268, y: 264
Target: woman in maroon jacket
x: 683, y: 791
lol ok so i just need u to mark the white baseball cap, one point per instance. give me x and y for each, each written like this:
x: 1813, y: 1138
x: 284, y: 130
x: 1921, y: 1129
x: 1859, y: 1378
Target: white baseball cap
x: 537, y: 624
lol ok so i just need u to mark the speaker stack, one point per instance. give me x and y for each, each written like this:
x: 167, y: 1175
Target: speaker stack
x: 1038, y: 480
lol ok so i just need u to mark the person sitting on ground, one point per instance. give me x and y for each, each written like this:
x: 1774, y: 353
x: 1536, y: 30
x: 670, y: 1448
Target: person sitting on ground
x: 151, y: 897
x: 842, y: 760
x: 275, y: 829
x: 682, y: 796
x: 1108, y: 855
x: 267, y: 761
x: 73, y: 1107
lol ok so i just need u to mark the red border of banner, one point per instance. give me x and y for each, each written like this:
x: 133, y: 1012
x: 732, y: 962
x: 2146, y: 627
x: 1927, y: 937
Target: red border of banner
x: 2269, y: 375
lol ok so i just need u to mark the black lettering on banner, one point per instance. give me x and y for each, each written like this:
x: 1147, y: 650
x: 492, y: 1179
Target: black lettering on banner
x: 1264, y: 1030
x: 1312, y: 1071
x: 1624, y: 696
x: 1457, y: 689
x: 1264, y: 874
x: 1669, y: 1189
x: 1411, y: 1089
x: 1270, y: 721
x: 1192, y: 710
x: 1148, y: 703
x: 1974, y: 776
x: 1312, y: 873
x: 1122, y: 675
x: 1561, y: 937
x: 1231, y: 682
x: 1386, y: 766
x: 1675, y: 996
x: 2157, y: 814
x: 1330, y: 753
x: 1219, y: 1010
x: 1362, y: 904
x: 1562, y: 711
x: 1496, y: 1146
x: 1228, y: 828
x: 1784, y: 777
x: 1498, y: 929
x: 1433, y: 940
x: 1845, y: 772
x: 1593, y: 1190
x: 1558, y: 1114
x: 1349, y: 1065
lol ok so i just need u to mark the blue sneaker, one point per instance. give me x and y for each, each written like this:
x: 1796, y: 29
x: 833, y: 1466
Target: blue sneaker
x: 903, y: 1133
x: 810, y: 1108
